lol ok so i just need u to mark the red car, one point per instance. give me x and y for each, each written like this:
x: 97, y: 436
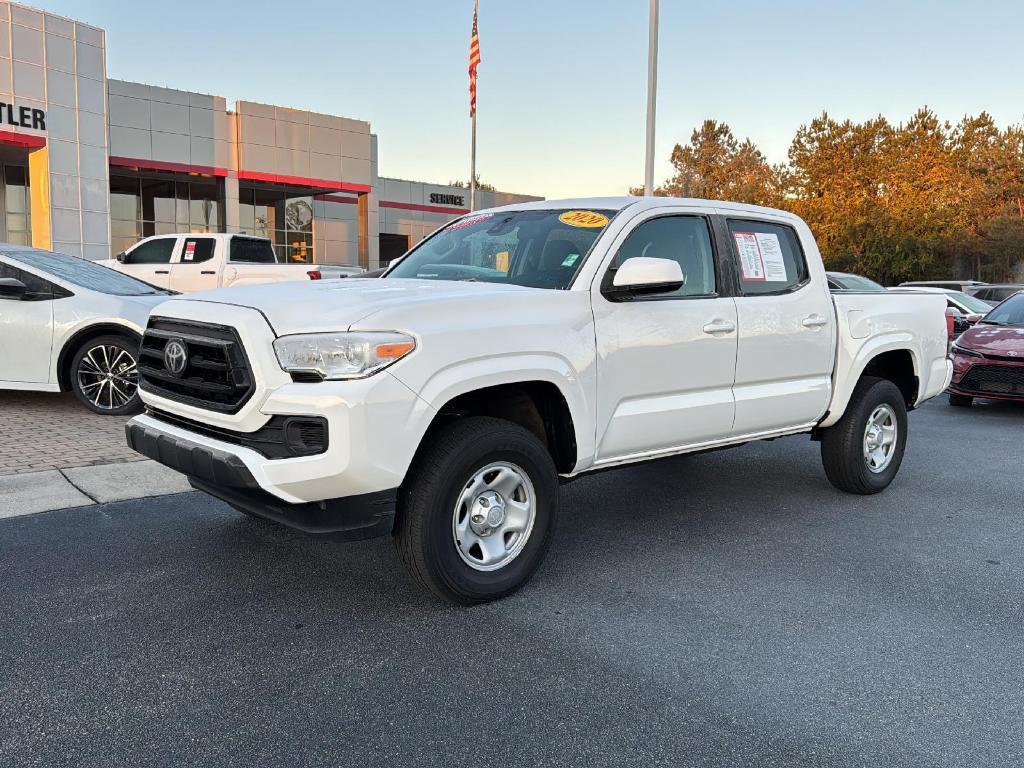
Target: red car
x: 988, y: 358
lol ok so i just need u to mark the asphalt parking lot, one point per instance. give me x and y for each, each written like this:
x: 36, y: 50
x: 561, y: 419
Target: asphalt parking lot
x: 729, y: 609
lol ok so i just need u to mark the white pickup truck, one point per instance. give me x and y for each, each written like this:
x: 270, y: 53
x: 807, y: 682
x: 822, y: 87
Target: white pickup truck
x: 519, y: 347
x: 202, y: 262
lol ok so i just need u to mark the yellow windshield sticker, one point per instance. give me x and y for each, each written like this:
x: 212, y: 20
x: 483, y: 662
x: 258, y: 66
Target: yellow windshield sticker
x: 501, y: 261
x: 583, y: 219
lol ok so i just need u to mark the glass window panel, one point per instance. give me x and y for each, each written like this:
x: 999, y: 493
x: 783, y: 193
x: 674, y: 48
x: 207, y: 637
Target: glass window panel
x: 771, y: 260
x: 153, y: 252
x: 165, y: 228
x: 124, y: 229
x: 204, y: 215
x: 298, y: 214
x: 158, y: 200
x: 247, y: 217
x: 683, y: 239
x: 15, y: 174
x: 125, y: 202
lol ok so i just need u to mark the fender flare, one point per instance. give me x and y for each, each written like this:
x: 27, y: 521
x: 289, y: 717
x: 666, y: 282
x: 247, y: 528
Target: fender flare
x: 99, y: 327
x: 471, y: 375
x: 849, y: 373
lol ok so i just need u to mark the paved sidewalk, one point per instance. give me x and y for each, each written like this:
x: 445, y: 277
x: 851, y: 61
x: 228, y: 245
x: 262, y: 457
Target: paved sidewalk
x: 26, y: 493
x: 47, y: 431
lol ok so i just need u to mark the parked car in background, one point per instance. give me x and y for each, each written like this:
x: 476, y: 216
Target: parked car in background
x: 993, y: 294
x: 519, y: 346
x: 188, y: 263
x: 847, y: 281
x: 988, y: 359
x: 967, y: 310
x: 71, y: 324
x: 952, y: 285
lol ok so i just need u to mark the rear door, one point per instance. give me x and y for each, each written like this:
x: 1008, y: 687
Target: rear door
x: 195, y: 269
x: 787, y: 326
x: 150, y: 260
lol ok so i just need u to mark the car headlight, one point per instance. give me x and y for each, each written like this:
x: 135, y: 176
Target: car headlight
x: 343, y: 355
x: 958, y: 350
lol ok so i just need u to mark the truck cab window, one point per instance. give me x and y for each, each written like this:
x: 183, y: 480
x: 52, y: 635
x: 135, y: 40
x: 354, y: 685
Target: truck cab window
x: 152, y: 252
x: 683, y: 239
x: 768, y: 257
x: 197, y: 249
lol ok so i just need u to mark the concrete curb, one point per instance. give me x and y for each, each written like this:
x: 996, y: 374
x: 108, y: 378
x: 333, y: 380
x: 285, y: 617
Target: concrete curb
x: 32, y: 492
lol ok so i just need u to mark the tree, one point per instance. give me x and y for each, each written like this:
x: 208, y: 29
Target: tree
x: 479, y: 185
x: 716, y: 166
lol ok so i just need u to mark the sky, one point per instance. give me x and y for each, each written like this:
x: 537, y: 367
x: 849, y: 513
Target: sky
x: 562, y: 87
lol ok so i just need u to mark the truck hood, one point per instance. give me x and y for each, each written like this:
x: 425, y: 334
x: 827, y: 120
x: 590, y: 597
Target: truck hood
x: 334, y: 305
x: 989, y: 339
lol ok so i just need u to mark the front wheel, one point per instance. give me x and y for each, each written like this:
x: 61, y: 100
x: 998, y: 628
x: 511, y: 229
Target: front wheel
x: 478, y: 510
x: 104, y: 376
x: 863, y: 451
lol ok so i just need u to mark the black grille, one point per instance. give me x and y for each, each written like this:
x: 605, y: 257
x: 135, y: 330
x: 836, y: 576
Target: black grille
x: 994, y: 380
x: 217, y: 375
x: 282, y: 437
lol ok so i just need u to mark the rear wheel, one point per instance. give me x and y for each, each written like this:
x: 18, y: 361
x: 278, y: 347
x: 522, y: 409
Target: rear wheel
x: 863, y: 451
x: 478, y: 510
x: 960, y: 401
x: 104, y: 375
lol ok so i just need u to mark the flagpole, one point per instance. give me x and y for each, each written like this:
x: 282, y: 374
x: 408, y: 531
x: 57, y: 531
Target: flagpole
x: 652, y: 96
x: 474, y: 61
x: 472, y: 167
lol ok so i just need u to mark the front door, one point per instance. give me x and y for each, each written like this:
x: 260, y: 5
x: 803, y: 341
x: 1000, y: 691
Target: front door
x: 786, y: 328
x: 194, y: 269
x: 26, y: 330
x: 666, y: 361
x: 150, y: 260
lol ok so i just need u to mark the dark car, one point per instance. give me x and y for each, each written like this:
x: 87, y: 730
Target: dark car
x: 988, y: 359
x: 993, y: 294
x: 847, y: 281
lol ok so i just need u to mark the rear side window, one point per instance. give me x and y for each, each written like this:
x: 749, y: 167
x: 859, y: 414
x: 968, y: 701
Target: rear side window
x: 250, y: 250
x: 769, y: 258
x: 197, y: 249
x: 153, y: 252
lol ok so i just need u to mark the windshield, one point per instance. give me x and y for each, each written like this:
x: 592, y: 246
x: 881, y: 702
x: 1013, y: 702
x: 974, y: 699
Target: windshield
x: 537, y: 249
x: 1010, y: 312
x: 973, y: 304
x: 84, y: 273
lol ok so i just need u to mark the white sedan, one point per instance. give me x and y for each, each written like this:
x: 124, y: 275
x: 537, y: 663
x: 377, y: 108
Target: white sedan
x: 69, y: 324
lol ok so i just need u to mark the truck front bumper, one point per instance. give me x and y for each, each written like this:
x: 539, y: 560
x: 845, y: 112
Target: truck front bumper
x: 222, y: 472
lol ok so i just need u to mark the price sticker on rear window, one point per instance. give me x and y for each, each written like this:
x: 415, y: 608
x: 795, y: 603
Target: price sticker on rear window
x: 589, y: 219
x: 190, y: 251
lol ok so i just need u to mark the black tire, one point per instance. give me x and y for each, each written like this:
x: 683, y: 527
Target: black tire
x: 443, y: 468
x: 107, y: 398
x: 960, y: 401
x: 842, y: 445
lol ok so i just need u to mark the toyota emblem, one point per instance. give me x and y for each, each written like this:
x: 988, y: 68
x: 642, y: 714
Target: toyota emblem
x: 175, y: 357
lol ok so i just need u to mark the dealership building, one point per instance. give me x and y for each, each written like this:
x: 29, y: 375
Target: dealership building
x: 90, y: 165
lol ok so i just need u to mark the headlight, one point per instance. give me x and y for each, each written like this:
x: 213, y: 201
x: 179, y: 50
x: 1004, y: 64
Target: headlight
x: 342, y: 355
x: 958, y: 350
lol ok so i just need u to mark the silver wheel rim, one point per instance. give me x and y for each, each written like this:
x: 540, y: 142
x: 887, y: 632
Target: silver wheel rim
x: 494, y: 516
x: 108, y: 377
x: 880, y: 438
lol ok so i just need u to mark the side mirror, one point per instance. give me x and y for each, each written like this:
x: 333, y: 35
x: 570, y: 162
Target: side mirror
x: 974, y: 317
x: 12, y: 288
x: 642, y: 274
x: 120, y: 257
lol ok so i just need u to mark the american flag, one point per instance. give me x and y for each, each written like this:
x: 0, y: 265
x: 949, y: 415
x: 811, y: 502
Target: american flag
x: 474, y: 62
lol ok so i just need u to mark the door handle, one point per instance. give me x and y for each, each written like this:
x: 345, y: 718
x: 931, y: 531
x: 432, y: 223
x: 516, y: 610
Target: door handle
x: 207, y: 272
x: 161, y: 272
x: 719, y: 326
x: 813, y: 321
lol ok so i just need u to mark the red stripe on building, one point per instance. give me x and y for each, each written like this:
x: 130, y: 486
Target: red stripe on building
x: 302, y: 181
x: 26, y: 140
x: 426, y: 208
x: 160, y: 165
x: 337, y: 199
